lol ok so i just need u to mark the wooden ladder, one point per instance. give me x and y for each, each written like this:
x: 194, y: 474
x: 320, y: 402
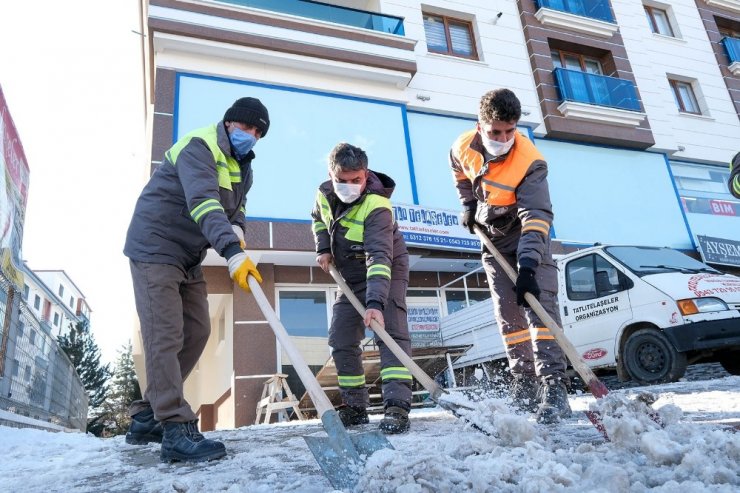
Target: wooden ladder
x: 272, y: 400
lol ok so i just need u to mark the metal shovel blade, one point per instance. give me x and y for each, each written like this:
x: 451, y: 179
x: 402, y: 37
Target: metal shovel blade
x: 341, y: 455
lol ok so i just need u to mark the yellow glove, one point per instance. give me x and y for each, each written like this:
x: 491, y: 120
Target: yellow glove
x: 241, y: 267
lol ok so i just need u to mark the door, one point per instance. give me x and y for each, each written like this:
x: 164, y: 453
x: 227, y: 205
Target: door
x: 595, y: 304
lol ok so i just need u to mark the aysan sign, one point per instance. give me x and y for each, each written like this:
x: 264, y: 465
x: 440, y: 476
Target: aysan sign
x: 433, y: 228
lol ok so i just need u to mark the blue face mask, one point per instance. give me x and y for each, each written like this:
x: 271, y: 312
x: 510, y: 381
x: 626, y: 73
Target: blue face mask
x: 242, y: 141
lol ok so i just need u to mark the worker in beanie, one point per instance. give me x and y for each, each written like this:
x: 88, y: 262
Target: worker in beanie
x: 501, y: 180
x: 194, y: 200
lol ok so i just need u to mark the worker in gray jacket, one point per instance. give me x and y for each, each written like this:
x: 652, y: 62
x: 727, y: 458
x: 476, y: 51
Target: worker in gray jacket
x: 501, y: 180
x: 354, y: 228
x: 734, y: 181
x: 194, y: 200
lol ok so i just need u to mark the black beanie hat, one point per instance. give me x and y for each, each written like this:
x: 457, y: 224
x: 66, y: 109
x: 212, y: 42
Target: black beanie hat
x: 249, y: 111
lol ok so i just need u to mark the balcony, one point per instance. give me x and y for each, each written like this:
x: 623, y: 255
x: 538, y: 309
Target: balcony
x: 585, y: 16
x: 329, y: 13
x: 303, y: 36
x: 732, y: 5
x: 732, y: 47
x: 598, y: 98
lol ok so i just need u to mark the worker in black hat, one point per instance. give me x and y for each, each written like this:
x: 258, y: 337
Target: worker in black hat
x: 194, y: 200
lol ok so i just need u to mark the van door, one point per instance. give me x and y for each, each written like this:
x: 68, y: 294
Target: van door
x: 595, y: 305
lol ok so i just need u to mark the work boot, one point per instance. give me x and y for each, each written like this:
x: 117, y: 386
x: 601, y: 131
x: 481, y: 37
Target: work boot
x: 524, y: 390
x: 183, y: 442
x: 396, y: 419
x: 352, y: 416
x: 144, y: 428
x: 554, y: 405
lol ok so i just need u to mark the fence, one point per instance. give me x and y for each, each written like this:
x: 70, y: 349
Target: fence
x: 38, y: 380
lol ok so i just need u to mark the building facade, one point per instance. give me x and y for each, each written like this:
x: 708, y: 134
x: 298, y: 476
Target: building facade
x: 633, y: 103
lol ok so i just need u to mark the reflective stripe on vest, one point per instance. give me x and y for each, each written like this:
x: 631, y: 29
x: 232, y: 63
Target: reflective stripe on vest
x: 227, y: 168
x: 208, y: 205
x: 354, y: 219
x: 501, y: 179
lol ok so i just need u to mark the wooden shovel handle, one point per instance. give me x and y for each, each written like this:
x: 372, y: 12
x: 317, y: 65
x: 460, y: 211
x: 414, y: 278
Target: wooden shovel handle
x: 425, y: 380
x: 319, y: 398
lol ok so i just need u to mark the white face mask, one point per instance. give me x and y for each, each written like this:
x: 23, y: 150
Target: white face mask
x: 347, y: 192
x: 496, y: 148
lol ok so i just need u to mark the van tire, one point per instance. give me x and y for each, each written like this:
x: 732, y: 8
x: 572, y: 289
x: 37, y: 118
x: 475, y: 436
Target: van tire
x: 730, y: 363
x: 650, y: 358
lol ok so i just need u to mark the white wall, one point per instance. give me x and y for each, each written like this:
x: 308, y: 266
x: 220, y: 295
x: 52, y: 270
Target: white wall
x: 714, y: 137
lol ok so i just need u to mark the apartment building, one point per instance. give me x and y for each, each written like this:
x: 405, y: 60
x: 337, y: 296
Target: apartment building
x: 635, y: 105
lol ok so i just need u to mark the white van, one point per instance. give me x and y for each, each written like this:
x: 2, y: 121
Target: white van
x: 646, y: 312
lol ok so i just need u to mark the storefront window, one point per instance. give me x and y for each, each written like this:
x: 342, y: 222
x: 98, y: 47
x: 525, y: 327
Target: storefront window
x: 303, y: 313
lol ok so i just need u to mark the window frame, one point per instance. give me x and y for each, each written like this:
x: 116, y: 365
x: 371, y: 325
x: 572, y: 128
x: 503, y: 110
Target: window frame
x: 679, y: 99
x: 650, y: 11
x: 581, y: 60
x: 446, y: 22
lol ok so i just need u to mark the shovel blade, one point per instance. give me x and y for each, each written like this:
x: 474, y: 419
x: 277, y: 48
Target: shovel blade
x: 341, y: 468
x: 341, y: 455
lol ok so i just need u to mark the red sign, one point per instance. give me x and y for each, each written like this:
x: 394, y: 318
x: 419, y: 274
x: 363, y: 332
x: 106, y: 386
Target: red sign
x: 721, y: 207
x: 594, y: 353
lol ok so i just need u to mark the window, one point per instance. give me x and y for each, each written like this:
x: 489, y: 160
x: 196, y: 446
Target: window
x: 658, y: 20
x: 449, y: 36
x: 61, y: 290
x: 56, y: 319
x: 592, y: 277
x: 16, y: 367
x: 456, y: 298
x: 71, y: 301
x: 683, y: 94
x: 36, y: 302
x: 304, y: 313
x: 32, y: 337
x: 27, y: 373
x: 20, y: 329
x: 576, y: 61
x: 26, y: 289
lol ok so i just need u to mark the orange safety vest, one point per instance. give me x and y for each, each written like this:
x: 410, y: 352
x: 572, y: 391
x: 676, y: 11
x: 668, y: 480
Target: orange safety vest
x: 501, y: 179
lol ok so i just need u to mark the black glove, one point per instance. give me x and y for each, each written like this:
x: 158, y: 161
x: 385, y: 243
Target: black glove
x: 526, y: 283
x: 468, y: 216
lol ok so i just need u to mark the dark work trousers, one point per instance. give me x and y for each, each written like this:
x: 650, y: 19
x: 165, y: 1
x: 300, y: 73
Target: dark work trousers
x: 530, y: 346
x: 346, y: 333
x: 175, y: 325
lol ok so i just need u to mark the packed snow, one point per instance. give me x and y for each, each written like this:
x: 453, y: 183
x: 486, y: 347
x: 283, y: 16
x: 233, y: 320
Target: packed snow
x: 697, y: 449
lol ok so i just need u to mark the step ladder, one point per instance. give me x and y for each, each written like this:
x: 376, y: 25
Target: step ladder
x: 272, y: 400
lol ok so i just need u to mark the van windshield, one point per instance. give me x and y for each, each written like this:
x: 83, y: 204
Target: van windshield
x: 651, y: 260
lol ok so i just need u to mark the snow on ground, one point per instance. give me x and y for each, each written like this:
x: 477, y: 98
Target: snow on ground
x: 698, y: 450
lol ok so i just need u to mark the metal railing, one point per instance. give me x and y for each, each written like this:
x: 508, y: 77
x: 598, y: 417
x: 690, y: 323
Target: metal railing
x: 330, y: 13
x: 39, y: 380
x: 583, y: 87
x: 732, y: 47
x: 595, y: 9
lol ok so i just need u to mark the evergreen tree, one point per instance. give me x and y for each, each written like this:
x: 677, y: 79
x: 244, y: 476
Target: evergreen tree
x: 84, y: 353
x: 124, y: 389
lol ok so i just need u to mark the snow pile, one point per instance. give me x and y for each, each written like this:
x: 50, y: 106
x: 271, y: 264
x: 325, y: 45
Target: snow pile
x: 694, y: 452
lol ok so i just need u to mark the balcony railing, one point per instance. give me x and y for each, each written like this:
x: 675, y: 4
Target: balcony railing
x: 595, y: 9
x: 331, y: 13
x: 732, y: 46
x: 596, y: 89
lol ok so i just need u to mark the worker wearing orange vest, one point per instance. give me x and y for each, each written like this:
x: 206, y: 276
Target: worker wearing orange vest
x: 501, y: 180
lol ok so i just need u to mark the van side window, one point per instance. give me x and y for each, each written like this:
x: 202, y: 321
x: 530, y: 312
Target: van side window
x: 591, y: 277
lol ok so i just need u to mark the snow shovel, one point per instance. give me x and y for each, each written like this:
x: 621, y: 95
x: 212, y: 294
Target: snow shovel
x: 435, y: 391
x: 596, y: 386
x: 339, y: 454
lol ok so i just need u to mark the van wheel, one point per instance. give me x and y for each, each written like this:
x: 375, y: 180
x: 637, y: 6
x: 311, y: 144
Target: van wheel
x: 729, y: 362
x: 650, y: 358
